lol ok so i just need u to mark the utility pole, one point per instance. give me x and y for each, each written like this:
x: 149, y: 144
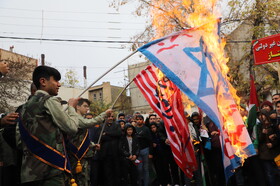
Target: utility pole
x: 43, y: 59
x: 85, y: 76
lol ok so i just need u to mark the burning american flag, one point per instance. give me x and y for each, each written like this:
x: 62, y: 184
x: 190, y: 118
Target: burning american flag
x: 165, y: 99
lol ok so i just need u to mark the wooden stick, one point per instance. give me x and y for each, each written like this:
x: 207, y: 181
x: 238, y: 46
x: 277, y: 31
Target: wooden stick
x: 120, y: 94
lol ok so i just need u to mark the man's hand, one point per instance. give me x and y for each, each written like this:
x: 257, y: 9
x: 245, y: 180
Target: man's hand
x: 265, y: 131
x: 133, y: 158
x: 97, y: 146
x: 109, y: 112
x: 269, y: 145
x: 167, y: 141
x: 214, y: 133
x: 73, y: 102
x: 273, y: 116
x: 9, y: 119
x: 4, y: 68
x: 272, y: 137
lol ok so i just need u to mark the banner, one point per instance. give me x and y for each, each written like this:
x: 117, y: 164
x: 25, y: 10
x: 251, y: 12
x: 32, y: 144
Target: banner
x: 267, y: 49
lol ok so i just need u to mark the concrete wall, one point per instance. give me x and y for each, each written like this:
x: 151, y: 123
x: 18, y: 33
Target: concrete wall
x: 236, y: 51
x: 16, y: 85
x: 9, y: 56
x: 108, y: 94
x: 101, y: 93
x: 66, y: 93
x: 138, y: 101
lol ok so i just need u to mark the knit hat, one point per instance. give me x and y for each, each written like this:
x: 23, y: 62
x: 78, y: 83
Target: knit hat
x: 268, y: 103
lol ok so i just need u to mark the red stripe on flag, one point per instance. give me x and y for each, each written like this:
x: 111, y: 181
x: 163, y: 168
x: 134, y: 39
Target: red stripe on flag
x: 172, y: 115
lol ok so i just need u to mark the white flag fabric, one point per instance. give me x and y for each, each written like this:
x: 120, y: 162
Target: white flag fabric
x: 184, y: 59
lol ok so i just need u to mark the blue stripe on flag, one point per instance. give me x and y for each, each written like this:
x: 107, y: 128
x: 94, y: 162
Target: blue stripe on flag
x: 176, y: 80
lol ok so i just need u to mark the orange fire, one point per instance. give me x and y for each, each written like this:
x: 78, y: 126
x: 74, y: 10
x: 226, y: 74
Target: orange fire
x: 172, y: 15
x: 164, y: 92
x: 188, y: 104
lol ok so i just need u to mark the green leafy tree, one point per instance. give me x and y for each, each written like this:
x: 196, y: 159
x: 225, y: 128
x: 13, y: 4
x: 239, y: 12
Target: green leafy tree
x: 70, y: 79
x: 262, y: 19
x: 261, y: 16
x: 14, y: 87
x: 123, y: 103
x: 97, y: 107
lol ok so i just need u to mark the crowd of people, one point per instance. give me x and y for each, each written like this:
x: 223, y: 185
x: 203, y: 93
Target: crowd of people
x: 47, y: 143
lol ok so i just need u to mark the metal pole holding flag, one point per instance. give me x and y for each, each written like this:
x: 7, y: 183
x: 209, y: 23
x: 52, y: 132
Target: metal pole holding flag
x: 121, y: 94
x: 108, y: 71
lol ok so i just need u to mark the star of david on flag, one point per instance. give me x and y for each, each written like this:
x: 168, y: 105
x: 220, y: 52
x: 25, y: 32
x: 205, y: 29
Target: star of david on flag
x: 184, y: 59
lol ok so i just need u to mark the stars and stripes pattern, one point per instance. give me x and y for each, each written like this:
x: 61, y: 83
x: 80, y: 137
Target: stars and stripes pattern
x: 165, y: 99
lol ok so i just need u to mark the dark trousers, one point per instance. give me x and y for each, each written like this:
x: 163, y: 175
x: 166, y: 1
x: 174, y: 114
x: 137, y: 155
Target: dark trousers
x: 271, y: 171
x: 162, y: 169
x: 111, y: 170
x: 96, y: 173
x: 10, y: 176
x: 174, y: 169
x: 128, y: 173
x: 58, y: 180
x: 215, y: 165
x: 253, y: 172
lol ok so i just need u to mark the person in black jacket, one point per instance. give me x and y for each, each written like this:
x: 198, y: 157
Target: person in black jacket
x: 160, y: 155
x: 129, y: 151
x: 109, y: 152
x: 145, y: 143
x: 269, y: 147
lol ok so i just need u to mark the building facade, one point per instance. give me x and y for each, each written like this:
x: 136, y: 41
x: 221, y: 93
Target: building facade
x: 138, y: 101
x: 15, y: 86
x: 109, y: 94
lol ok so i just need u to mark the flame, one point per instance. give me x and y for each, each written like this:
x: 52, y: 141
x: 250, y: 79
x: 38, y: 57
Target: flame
x: 164, y: 88
x: 188, y: 104
x: 168, y: 16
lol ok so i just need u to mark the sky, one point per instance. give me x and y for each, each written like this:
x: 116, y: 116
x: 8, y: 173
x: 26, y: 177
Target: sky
x: 70, y: 19
x: 75, y: 20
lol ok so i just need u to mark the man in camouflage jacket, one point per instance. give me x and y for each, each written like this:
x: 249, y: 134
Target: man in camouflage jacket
x: 43, y: 124
x: 81, y: 148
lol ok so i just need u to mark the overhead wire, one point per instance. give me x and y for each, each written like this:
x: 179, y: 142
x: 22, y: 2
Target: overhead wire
x: 74, y: 12
x: 67, y: 27
x: 69, y: 40
x: 73, y: 20
x: 92, y: 41
x: 69, y: 35
x: 31, y: 39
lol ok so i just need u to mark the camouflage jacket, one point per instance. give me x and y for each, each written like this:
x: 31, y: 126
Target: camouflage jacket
x: 84, y: 123
x: 44, y: 118
x: 78, y: 138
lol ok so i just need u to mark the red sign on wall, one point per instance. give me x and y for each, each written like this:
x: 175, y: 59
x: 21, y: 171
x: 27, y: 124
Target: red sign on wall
x: 267, y: 49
